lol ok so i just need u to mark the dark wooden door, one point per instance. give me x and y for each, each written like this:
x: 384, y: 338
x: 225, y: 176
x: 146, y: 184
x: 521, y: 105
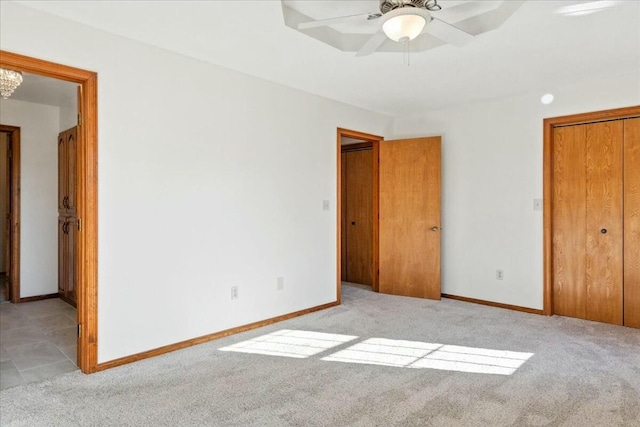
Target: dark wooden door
x: 72, y: 265
x: 72, y: 150
x: 62, y: 171
x: 359, y: 217
x: 63, y: 243
x: 410, y: 217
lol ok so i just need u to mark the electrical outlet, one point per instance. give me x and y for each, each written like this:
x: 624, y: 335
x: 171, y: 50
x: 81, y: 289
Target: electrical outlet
x: 234, y: 292
x: 537, y: 204
x: 280, y: 283
x: 499, y: 275
x: 325, y: 205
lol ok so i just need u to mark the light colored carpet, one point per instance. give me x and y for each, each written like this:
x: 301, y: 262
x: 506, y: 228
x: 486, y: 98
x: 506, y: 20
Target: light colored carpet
x: 581, y: 374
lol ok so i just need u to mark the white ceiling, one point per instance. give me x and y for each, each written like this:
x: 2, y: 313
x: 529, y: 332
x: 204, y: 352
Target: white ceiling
x: 535, y: 50
x: 45, y: 90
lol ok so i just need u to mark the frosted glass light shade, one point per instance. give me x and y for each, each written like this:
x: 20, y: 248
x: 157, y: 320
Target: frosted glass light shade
x: 405, y: 26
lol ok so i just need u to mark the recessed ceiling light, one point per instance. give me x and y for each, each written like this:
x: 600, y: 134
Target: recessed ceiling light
x: 547, y: 99
x: 582, y: 9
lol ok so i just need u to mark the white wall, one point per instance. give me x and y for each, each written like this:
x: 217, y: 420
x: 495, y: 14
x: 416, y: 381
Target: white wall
x: 38, y: 193
x: 208, y: 178
x: 68, y: 117
x: 492, y: 171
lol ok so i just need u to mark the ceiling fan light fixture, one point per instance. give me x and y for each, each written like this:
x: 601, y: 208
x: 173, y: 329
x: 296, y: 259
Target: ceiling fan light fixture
x: 405, y: 23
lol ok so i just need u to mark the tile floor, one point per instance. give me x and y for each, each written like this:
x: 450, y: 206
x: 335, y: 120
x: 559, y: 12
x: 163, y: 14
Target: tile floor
x: 37, y: 341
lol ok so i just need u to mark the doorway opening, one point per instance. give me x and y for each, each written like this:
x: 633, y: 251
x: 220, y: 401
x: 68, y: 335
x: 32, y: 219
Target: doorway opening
x: 9, y: 212
x: 392, y: 235
x: 358, y: 213
x: 83, y: 262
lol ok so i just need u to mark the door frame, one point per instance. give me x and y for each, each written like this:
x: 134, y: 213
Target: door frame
x: 547, y: 198
x: 372, y: 141
x: 13, y: 245
x: 87, y: 193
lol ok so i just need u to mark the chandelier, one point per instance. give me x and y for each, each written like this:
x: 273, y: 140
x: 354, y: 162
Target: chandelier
x: 9, y: 81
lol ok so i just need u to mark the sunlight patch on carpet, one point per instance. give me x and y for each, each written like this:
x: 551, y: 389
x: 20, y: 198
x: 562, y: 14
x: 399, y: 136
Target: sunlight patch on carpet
x: 420, y: 355
x: 290, y: 343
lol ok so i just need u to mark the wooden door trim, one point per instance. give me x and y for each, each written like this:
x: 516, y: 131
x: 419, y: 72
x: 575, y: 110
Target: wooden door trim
x: 14, y: 225
x: 87, y: 191
x: 548, y: 126
x: 372, y: 141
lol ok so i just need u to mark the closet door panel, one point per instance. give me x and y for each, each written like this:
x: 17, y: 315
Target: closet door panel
x: 62, y: 256
x: 632, y: 222
x: 604, y: 272
x: 343, y: 216
x: 359, y: 218
x: 62, y: 170
x: 72, y: 265
x: 569, y: 221
x: 72, y: 152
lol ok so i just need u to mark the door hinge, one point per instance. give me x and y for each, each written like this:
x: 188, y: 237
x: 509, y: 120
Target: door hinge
x: 79, y: 224
x: 79, y: 330
x: 79, y: 119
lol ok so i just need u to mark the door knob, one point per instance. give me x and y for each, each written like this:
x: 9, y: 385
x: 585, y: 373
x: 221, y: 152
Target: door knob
x: 603, y: 231
x: 434, y: 228
x: 353, y: 223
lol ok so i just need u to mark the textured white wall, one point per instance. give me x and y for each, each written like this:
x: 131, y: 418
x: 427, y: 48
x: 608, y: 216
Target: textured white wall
x: 492, y: 171
x: 38, y: 192
x: 208, y: 178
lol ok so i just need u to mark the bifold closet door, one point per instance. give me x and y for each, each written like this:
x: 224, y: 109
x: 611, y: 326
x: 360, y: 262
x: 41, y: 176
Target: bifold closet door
x: 588, y: 221
x: 632, y: 222
x: 569, y: 221
x: 604, y: 267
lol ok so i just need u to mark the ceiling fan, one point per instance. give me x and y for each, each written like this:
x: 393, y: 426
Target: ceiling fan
x: 401, y: 21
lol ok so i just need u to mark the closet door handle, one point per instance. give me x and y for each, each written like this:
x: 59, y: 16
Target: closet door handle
x: 434, y: 228
x: 64, y: 202
x: 64, y: 227
x: 603, y: 231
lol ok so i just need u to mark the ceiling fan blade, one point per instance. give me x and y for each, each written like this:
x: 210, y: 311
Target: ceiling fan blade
x: 372, y: 44
x: 465, y: 11
x: 448, y: 33
x: 339, y: 20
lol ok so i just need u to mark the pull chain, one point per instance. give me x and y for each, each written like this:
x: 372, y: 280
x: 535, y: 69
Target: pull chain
x: 406, y: 51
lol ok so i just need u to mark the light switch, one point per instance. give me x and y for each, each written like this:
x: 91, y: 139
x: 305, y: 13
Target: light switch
x: 537, y: 204
x: 325, y: 205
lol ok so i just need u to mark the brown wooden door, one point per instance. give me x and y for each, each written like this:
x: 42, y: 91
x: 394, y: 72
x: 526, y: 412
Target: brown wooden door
x: 343, y: 216
x: 5, y: 143
x: 587, y: 221
x: 409, y: 229
x: 604, y: 222
x: 359, y: 217
x: 72, y: 150
x: 63, y: 271
x: 62, y: 171
x: 632, y: 222
x: 569, y: 221
x: 72, y: 265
